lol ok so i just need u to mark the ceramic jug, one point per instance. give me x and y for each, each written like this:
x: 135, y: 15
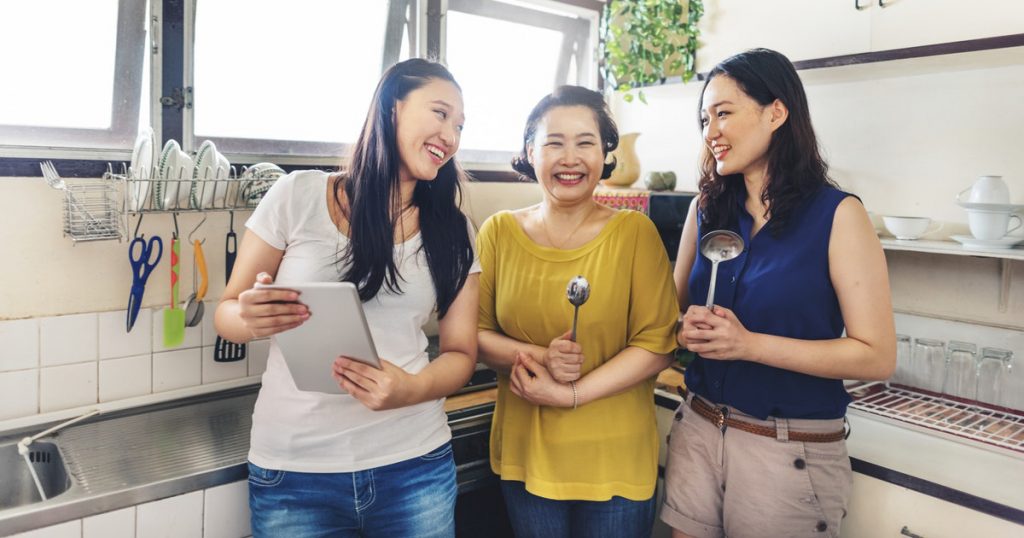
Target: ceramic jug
x: 627, y: 167
x: 987, y: 190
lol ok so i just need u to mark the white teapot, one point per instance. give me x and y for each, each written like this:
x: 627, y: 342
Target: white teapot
x: 987, y: 190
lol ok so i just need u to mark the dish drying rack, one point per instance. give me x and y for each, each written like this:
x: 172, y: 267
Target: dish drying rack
x: 974, y: 421
x: 95, y: 210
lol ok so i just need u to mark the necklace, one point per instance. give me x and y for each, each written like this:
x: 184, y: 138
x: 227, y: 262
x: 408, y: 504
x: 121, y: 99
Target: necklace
x: 547, y: 235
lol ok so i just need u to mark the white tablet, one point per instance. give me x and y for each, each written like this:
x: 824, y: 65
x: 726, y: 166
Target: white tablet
x: 336, y: 326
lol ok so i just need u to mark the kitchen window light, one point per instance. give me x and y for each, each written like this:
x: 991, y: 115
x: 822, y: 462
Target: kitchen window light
x: 76, y: 75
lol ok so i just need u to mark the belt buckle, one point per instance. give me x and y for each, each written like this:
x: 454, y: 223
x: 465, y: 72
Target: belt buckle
x: 720, y: 415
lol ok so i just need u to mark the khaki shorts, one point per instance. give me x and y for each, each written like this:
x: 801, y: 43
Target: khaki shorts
x: 740, y: 484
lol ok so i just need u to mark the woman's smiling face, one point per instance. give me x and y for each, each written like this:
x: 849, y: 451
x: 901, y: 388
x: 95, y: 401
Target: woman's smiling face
x: 736, y: 128
x: 566, y: 153
x: 428, y: 123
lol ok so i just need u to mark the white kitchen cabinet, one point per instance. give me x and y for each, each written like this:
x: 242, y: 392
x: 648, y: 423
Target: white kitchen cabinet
x: 800, y: 29
x: 878, y: 508
x: 911, y: 23
x: 805, y: 29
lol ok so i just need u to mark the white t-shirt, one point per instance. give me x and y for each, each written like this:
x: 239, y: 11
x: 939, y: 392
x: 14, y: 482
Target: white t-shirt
x: 302, y: 431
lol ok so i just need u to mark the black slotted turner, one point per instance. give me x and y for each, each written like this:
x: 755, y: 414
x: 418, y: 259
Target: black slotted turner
x: 226, y: 350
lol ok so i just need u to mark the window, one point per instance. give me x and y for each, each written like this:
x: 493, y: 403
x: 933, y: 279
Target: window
x: 270, y: 80
x: 76, y: 75
x: 288, y: 82
x: 506, y: 56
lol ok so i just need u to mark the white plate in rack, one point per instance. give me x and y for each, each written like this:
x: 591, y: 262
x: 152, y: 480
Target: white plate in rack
x: 973, y: 243
x: 205, y: 170
x: 141, y: 170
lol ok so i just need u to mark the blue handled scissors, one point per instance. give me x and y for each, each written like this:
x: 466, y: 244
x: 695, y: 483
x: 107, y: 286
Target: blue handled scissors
x: 140, y: 254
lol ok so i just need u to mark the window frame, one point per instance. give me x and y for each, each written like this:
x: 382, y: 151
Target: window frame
x: 168, y: 38
x: 93, y: 144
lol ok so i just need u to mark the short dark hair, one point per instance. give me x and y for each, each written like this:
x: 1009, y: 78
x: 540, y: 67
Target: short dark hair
x: 570, y: 96
x: 795, y: 166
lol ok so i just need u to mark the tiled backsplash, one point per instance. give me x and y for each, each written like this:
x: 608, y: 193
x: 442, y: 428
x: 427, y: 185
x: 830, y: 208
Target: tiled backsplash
x: 60, y: 362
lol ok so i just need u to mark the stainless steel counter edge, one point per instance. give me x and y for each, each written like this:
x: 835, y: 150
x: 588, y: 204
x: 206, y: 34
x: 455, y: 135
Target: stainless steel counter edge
x: 159, y: 451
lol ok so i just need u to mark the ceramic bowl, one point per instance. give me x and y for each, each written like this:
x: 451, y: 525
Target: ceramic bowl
x: 907, y: 227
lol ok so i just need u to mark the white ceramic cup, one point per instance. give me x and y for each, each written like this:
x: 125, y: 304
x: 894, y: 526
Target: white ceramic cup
x: 988, y: 190
x: 909, y: 227
x: 991, y: 225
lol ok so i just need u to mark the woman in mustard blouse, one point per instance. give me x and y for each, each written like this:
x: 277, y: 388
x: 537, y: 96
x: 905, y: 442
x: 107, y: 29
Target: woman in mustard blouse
x: 574, y: 437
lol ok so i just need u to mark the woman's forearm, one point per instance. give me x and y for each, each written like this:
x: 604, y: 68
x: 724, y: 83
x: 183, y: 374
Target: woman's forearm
x: 498, y: 351
x: 446, y: 374
x: 839, y: 358
x: 229, y: 323
x: 630, y: 366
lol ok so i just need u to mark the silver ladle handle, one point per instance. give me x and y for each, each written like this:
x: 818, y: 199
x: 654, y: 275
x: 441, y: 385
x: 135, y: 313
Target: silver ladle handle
x: 711, y: 288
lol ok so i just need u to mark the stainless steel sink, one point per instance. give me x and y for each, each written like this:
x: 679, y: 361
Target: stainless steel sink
x: 17, y: 488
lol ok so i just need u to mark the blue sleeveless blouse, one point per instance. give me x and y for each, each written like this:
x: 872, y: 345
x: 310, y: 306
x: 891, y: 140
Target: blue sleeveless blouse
x: 779, y: 285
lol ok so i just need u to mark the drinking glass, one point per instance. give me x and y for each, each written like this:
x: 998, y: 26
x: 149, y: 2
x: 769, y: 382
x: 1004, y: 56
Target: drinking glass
x: 904, y: 367
x: 928, y: 364
x: 993, y: 368
x: 961, y: 379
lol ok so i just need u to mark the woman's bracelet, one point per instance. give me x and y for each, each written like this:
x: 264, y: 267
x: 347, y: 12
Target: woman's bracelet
x: 575, y: 395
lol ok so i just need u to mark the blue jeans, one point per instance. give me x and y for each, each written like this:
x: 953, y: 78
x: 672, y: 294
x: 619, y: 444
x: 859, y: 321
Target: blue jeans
x: 412, y: 498
x: 534, y: 516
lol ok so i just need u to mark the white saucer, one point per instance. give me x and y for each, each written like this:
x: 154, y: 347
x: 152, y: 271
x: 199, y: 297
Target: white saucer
x: 973, y: 243
x: 999, y: 208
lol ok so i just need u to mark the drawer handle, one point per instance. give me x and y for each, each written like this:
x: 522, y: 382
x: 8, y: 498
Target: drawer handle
x: 905, y: 531
x: 856, y: 4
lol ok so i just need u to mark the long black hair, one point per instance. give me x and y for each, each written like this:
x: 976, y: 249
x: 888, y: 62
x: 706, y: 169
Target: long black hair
x: 795, y: 166
x: 570, y: 96
x: 371, y: 183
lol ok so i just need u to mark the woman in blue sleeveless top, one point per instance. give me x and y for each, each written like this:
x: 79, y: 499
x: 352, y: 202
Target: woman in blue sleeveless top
x: 758, y: 448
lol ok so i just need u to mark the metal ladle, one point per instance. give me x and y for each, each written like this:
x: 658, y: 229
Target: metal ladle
x: 577, y: 292
x: 719, y: 246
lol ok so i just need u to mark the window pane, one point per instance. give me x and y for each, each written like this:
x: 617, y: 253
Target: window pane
x: 305, y: 72
x: 500, y: 85
x: 58, y: 61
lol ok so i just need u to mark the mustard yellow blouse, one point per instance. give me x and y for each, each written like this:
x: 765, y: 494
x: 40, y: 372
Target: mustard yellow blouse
x: 607, y: 447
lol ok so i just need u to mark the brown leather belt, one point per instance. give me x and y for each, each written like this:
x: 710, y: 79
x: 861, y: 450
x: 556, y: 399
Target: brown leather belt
x: 719, y: 419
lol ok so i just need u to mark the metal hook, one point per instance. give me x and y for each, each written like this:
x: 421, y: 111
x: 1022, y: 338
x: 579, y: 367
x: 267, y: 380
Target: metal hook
x: 137, y: 224
x: 175, y: 215
x: 194, y: 230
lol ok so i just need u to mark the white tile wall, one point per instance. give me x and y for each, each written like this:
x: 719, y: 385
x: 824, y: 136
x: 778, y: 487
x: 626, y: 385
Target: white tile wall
x: 19, y: 393
x: 209, y: 332
x: 226, y: 511
x: 71, y: 529
x: 126, y: 377
x: 109, y: 363
x: 177, y: 369
x: 218, y: 512
x: 116, y: 524
x: 174, y: 517
x: 193, y: 335
x: 116, y: 342
x: 214, y: 371
x: 67, y: 339
x: 19, y: 344
x: 259, y: 350
x: 63, y: 387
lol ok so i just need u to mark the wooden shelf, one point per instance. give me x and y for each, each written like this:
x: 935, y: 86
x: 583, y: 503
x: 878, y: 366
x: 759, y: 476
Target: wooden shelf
x: 951, y: 248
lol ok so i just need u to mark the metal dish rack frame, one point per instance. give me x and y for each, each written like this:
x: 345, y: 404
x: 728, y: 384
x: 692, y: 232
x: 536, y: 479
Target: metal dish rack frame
x: 974, y: 421
x: 96, y: 210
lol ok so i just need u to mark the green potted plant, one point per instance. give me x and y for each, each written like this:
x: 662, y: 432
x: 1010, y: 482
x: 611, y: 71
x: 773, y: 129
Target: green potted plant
x: 647, y: 41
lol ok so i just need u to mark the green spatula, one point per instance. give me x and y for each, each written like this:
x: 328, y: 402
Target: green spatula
x: 174, y: 317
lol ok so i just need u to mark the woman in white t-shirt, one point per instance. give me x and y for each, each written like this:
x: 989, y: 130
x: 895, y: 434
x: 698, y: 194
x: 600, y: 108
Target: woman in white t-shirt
x: 376, y: 461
